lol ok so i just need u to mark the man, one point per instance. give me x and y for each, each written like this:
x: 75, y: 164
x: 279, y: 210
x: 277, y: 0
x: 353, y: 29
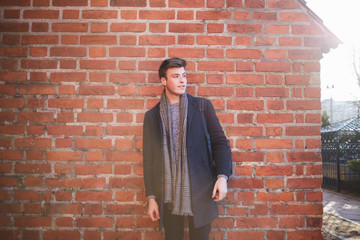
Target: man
x: 181, y: 180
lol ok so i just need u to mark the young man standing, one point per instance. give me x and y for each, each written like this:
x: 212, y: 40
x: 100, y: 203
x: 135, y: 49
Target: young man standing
x: 181, y: 177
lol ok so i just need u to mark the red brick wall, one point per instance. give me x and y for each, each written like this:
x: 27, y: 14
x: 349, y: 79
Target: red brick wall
x: 78, y: 75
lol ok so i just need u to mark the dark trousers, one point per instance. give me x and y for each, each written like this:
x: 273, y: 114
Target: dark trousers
x: 174, y: 227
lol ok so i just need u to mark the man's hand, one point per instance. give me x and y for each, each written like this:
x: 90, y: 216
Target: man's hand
x: 153, y: 210
x: 220, y: 189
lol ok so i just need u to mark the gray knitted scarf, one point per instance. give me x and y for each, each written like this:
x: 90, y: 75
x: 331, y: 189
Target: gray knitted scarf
x: 177, y: 179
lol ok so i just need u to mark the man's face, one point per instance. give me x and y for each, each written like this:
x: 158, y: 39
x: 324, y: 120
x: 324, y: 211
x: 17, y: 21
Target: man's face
x: 175, y: 84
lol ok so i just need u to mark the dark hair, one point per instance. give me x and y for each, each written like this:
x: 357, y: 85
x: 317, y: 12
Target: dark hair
x: 170, y: 63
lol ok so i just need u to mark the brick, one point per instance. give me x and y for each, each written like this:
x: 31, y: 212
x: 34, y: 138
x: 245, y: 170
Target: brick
x: 214, y: 40
x: 32, y: 222
x: 157, y: 14
x: 244, y: 131
x: 294, y: 17
x: 93, y: 143
x: 245, y: 118
x: 14, y: 27
x: 246, y: 105
x: 186, y: 52
x: 98, y: 40
x: 124, y: 156
x: 275, y: 54
x: 71, y: 14
x: 290, y: 209
x: 61, y: 234
x: 290, y: 41
x: 64, y: 156
x: 306, y: 29
x: 244, y: 53
x: 243, y: 235
x: 267, y: 41
x: 254, y: 3
x: 243, y: 170
x: 157, y: 27
x: 32, y: 195
x: 186, y: 3
x: 69, y: 27
x: 215, y: 91
x: 274, y: 143
x: 247, y: 156
x: 126, y: 3
x: 272, y: 66
x: 43, y: 39
x: 304, y: 157
x: 65, y: 130
x: 68, y: 51
x: 277, y: 29
x: 186, y: 27
x: 41, y: 117
x: 157, y: 3
x: 305, y: 54
x: 127, y: 183
x: 96, y: 90
x: 314, y: 196
x: 97, y: 196
x: 303, y: 105
x: 99, y: 14
x: 95, y: 222
x: 185, y: 15
x: 128, y: 27
x: 212, y: 15
x: 301, y: 183
x: 312, y: 143
x: 125, y: 103
x: 272, y: 92
x: 241, y: 15
x: 297, y: 79
x: 284, y: 4
x: 12, y: 76
x: 63, y: 3
x: 97, y: 64
x: 244, y: 28
x: 38, y: 52
x: 273, y: 170
x: 215, y: 28
x: 275, y: 118
x: 156, y: 40
x: 50, y: 209
x: 13, y: 52
x: 265, y: 16
x: 303, y: 131
x: 274, y: 131
x: 41, y: 14
x: 215, y: 66
x: 12, y: 14
x: 129, y: 14
x: 314, y: 170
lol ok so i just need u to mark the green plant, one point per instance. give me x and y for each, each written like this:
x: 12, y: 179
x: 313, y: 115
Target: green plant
x: 354, y: 165
x: 325, y: 119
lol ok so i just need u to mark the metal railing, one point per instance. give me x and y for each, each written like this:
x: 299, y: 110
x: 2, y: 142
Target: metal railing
x: 337, y: 149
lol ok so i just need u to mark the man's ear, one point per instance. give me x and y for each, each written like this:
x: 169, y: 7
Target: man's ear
x: 163, y: 81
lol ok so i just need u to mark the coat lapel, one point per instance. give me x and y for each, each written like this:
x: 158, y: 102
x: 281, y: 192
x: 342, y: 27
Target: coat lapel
x: 191, y: 109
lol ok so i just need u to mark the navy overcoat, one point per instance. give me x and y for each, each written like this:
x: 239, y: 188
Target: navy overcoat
x: 201, y: 169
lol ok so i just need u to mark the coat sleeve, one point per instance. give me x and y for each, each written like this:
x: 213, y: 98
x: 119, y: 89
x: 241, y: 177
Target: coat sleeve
x: 147, y: 156
x: 219, y: 143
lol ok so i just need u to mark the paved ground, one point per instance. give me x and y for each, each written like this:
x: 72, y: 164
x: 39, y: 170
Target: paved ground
x: 341, y: 219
